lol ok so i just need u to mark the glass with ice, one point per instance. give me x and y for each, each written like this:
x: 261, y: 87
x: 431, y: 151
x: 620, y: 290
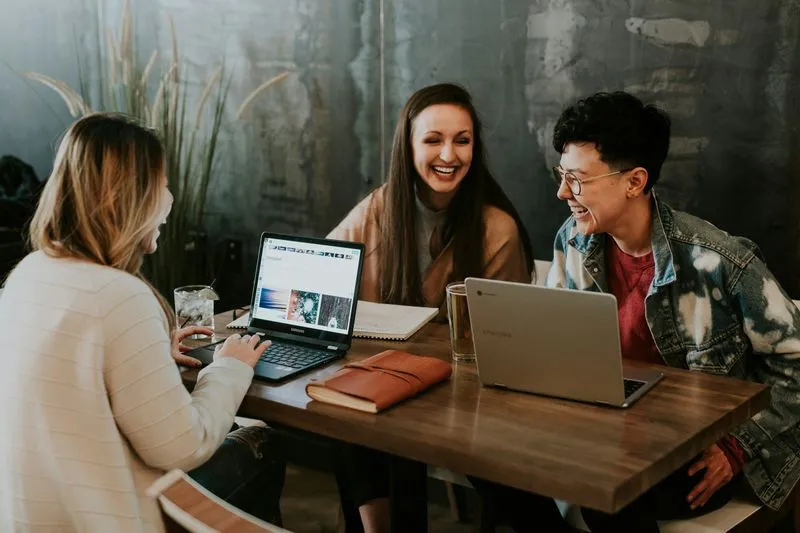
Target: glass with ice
x: 194, y: 305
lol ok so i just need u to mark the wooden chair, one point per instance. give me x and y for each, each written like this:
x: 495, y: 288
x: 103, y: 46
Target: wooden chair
x: 188, y: 507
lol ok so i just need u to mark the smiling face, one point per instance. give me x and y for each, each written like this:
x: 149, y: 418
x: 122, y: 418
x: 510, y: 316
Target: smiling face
x: 442, y: 144
x: 602, y: 202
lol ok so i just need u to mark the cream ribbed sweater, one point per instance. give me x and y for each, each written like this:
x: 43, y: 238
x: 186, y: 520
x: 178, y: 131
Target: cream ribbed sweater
x: 92, y: 408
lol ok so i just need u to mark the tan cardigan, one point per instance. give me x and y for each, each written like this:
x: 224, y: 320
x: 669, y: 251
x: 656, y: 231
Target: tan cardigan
x: 503, y: 251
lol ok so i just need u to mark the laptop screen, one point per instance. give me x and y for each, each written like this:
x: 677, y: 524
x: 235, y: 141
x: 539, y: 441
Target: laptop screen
x: 307, y: 286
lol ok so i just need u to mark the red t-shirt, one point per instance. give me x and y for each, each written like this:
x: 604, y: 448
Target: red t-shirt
x: 629, y: 279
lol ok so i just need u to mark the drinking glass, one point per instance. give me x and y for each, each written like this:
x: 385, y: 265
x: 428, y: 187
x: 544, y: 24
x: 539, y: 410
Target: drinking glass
x: 460, y: 328
x: 194, y: 306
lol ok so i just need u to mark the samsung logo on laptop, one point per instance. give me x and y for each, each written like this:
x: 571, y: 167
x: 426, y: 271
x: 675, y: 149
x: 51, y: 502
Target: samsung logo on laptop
x: 495, y: 333
x: 297, y: 330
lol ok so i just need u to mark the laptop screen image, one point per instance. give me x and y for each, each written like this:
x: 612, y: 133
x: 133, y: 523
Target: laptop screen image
x: 306, y: 288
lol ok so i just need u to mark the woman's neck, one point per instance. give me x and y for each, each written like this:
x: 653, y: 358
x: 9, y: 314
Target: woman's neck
x: 433, y: 200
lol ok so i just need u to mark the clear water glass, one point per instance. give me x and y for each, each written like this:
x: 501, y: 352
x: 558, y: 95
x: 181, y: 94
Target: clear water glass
x: 194, y: 306
x: 460, y: 328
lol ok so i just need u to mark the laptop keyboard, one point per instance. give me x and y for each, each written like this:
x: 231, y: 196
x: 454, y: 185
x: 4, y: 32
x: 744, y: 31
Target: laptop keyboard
x: 631, y: 386
x: 294, y: 356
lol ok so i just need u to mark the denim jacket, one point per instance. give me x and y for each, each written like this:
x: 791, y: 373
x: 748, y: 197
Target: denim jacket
x: 713, y: 306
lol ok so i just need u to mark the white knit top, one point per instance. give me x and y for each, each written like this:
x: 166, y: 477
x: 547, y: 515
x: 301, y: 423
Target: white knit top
x: 92, y: 408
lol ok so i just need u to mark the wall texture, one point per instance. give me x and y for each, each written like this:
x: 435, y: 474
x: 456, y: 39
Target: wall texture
x: 40, y: 36
x: 726, y: 70
x: 307, y: 148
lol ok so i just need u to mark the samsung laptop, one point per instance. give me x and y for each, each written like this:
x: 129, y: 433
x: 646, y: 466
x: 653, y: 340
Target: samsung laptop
x: 304, y: 300
x: 555, y: 342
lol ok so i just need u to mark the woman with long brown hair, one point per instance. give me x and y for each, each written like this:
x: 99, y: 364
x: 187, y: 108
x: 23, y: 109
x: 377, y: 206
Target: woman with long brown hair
x: 91, y: 400
x: 440, y: 217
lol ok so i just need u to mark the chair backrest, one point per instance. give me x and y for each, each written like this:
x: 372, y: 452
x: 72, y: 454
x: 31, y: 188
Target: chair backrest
x: 187, y: 507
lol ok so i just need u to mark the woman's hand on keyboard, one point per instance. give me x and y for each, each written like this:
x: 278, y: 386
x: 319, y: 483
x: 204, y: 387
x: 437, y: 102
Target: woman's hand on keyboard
x: 244, y: 348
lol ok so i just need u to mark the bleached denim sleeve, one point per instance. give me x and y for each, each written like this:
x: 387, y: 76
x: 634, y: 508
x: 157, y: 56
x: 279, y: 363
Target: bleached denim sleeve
x: 772, y: 324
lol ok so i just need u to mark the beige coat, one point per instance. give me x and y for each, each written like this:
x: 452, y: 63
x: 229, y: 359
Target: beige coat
x: 503, y: 251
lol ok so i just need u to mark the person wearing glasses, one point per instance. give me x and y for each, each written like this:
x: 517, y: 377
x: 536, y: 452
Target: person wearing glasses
x: 689, y: 295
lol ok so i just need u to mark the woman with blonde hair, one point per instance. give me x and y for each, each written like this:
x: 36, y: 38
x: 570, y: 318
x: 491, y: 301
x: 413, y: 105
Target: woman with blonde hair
x: 91, y: 400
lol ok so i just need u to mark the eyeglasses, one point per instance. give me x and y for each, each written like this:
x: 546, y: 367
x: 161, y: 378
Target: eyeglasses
x: 574, y: 182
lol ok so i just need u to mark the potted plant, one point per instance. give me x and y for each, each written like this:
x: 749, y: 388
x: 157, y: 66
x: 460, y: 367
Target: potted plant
x: 190, y: 133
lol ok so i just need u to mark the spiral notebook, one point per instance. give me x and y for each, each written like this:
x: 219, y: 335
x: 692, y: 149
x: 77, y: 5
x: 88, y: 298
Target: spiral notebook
x: 377, y: 321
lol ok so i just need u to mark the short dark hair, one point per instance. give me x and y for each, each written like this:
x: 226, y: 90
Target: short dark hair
x: 626, y: 132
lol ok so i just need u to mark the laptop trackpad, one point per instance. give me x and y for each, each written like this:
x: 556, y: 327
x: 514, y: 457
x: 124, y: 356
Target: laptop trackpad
x: 204, y: 353
x: 272, y: 370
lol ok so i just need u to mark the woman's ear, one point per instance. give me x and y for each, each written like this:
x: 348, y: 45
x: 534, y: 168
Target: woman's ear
x: 637, y: 181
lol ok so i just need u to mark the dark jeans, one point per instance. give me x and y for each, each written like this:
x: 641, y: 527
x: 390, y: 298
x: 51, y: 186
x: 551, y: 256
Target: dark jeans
x: 362, y: 475
x: 248, y: 472
x: 525, y: 512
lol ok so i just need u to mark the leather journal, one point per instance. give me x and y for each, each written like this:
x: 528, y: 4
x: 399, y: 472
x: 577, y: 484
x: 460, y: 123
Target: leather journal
x: 380, y: 381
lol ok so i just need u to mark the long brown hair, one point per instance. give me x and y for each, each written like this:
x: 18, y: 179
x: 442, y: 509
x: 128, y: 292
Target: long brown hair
x: 400, y: 279
x: 101, y: 202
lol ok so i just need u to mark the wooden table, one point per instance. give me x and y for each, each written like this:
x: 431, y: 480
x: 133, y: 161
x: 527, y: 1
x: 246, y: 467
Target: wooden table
x: 593, y: 456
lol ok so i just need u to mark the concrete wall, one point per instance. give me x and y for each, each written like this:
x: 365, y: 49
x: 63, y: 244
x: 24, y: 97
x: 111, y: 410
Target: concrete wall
x: 302, y: 149
x: 727, y: 71
x: 40, y: 36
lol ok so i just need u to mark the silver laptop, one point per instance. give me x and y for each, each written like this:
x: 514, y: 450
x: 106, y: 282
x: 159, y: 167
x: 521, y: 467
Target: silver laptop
x: 555, y: 342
